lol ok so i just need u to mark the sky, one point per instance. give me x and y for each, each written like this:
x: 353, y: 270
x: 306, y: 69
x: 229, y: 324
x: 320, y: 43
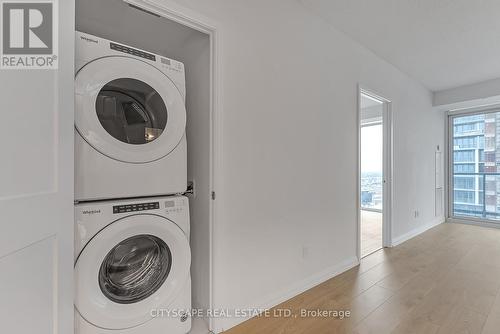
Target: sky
x: 371, y: 148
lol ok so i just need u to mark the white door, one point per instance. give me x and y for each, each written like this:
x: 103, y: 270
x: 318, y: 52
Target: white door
x: 36, y: 192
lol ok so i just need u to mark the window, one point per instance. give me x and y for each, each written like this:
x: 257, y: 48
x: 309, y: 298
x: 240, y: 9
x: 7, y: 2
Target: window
x: 464, y: 156
x: 475, y: 166
x: 465, y: 183
x: 463, y: 168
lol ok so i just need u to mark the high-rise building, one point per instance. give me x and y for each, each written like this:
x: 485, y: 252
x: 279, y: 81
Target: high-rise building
x: 473, y: 153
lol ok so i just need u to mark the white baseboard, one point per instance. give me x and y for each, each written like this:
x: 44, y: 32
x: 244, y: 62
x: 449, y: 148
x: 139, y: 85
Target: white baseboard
x: 419, y: 230
x: 293, y: 290
x: 473, y: 222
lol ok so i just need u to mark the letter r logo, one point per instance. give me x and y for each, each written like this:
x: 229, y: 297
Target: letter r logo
x: 27, y: 28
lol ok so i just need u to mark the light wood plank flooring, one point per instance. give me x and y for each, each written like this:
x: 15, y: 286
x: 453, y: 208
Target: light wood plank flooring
x: 446, y: 280
x: 371, y: 232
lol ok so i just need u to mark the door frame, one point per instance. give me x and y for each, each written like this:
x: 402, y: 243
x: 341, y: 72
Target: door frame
x: 192, y: 19
x: 387, y: 170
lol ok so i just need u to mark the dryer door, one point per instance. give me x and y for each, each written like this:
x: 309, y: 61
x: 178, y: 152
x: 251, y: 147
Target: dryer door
x: 135, y: 265
x: 128, y: 110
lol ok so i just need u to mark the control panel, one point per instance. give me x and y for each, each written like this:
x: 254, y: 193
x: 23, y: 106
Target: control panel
x: 136, y: 207
x: 177, y: 206
x: 132, y: 51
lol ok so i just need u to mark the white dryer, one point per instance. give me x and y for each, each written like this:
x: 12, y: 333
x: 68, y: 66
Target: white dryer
x: 130, y: 122
x: 132, y: 267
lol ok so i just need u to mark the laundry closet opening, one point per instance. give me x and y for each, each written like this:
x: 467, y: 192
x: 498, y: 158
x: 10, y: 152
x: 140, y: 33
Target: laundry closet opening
x: 119, y: 21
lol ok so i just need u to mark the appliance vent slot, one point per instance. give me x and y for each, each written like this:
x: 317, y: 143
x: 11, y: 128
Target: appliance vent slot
x: 131, y: 51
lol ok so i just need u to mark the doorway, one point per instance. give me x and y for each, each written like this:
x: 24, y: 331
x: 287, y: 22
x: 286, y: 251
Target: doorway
x: 187, y: 37
x: 374, y: 173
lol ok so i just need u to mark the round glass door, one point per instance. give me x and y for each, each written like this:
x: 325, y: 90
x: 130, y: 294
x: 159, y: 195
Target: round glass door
x: 131, y: 111
x: 135, y: 269
x: 133, y: 265
x: 128, y: 110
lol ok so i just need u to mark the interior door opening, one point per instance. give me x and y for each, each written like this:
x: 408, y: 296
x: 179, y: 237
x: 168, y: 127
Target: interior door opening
x: 373, y: 173
x: 183, y: 36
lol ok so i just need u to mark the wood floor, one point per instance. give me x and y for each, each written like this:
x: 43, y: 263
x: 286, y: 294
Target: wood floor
x: 446, y: 280
x: 371, y: 232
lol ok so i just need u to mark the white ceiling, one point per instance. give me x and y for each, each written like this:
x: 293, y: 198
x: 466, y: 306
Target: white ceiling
x: 441, y: 43
x: 368, y: 101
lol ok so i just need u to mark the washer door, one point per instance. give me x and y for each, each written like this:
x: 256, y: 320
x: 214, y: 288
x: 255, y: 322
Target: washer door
x: 134, y: 265
x: 128, y: 110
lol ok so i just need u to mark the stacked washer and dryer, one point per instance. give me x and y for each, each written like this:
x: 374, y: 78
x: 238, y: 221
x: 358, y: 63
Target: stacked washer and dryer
x: 132, y: 253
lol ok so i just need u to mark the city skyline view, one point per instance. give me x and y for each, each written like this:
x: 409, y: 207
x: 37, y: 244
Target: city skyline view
x: 371, y: 166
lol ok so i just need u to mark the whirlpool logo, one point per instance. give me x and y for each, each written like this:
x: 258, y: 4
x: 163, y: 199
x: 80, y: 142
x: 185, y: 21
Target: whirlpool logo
x: 91, y: 212
x: 88, y: 39
x: 29, y: 34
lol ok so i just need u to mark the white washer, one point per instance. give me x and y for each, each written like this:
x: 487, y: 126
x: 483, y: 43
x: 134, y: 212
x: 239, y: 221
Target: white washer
x: 130, y: 122
x: 132, y: 266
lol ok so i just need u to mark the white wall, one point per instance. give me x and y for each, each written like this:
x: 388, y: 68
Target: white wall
x: 289, y: 152
x: 287, y: 215
x: 481, y: 93
x: 196, y: 58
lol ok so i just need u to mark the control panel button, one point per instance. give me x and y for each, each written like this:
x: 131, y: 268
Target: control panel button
x: 136, y: 207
